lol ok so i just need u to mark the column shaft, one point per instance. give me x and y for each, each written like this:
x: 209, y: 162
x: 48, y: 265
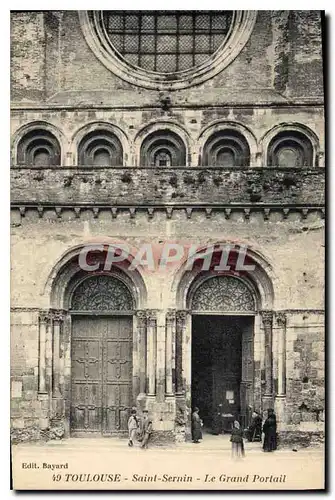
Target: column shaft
x: 151, y: 352
x: 142, y: 347
x: 169, y: 358
x: 44, y: 319
x: 281, y: 376
x: 267, y: 324
x: 57, y: 321
x: 160, y: 357
x: 180, y: 327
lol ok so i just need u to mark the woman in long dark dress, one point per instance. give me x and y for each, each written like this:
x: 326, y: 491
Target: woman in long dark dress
x: 196, y: 426
x: 236, y: 439
x: 270, y: 432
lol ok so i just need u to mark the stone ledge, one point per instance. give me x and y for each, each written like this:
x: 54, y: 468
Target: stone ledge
x: 156, y: 186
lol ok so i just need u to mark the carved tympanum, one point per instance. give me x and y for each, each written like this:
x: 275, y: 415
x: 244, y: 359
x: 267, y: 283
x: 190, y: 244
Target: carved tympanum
x: 223, y: 293
x: 102, y: 293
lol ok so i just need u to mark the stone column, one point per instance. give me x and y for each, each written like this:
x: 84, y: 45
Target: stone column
x: 180, y: 328
x: 57, y: 321
x: 281, y: 375
x: 280, y: 399
x: 151, y: 351
x: 160, y: 357
x: 169, y: 354
x: 267, y: 317
x: 142, y: 347
x: 44, y: 320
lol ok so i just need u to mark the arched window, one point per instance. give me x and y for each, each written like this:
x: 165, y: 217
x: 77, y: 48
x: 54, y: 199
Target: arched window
x: 163, y: 149
x: 163, y: 158
x: 226, y: 148
x: 100, y: 148
x: 38, y: 147
x: 290, y: 149
x: 102, y: 156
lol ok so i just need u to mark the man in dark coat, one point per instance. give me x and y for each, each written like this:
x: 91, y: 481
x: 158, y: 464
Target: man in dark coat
x: 196, y: 426
x: 270, y: 432
x: 255, y: 428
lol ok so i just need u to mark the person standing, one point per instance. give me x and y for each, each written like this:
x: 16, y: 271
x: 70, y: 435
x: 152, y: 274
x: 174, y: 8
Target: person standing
x: 196, y: 426
x: 255, y: 428
x: 270, y: 432
x: 146, y: 429
x: 132, y: 427
x: 236, y: 439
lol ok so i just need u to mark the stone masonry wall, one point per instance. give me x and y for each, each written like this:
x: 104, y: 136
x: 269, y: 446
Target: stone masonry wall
x: 283, y: 48
x: 293, y: 246
x: 276, y: 80
x: 133, y: 186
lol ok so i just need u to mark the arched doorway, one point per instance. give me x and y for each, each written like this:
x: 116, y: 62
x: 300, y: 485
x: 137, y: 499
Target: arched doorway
x: 101, y: 308
x: 223, y: 310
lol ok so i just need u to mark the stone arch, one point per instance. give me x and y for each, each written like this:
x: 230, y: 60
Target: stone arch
x: 296, y: 136
x: 36, y: 136
x: 66, y: 275
x: 113, y: 140
x: 231, y: 135
x: 249, y: 317
x: 163, y: 135
x: 260, y: 281
x: 96, y: 308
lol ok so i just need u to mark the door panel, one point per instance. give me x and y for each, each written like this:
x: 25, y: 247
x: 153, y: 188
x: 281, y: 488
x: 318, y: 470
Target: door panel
x: 246, y: 391
x: 101, y: 374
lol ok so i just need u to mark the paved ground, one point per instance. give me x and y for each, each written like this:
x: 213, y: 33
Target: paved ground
x: 108, y: 463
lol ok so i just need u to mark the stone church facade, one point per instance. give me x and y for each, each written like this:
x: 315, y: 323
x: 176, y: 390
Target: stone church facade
x: 144, y: 128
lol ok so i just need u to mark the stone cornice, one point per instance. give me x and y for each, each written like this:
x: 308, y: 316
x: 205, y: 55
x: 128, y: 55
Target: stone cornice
x: 246, y: 210
x: 92, y: 169
x: 73, y: 101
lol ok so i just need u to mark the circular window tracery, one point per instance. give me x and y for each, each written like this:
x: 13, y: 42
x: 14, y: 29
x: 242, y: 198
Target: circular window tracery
x: 165, y: 41
x: 166, y: 50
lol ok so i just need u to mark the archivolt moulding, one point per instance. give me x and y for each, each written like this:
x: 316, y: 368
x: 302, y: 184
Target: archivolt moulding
x: 38, y: 125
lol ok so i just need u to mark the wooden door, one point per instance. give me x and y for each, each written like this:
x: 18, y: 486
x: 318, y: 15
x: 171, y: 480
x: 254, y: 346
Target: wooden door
x: 247, y: 379
x: 101, y: 389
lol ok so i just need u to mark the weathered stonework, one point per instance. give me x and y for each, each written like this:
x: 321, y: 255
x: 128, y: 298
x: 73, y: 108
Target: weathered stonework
x: 274, y: 85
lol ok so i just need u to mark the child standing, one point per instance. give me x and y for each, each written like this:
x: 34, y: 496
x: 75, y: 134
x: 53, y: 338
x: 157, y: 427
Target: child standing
x: 237, y: 445
x: 146, y: 429
x: 132, y: 427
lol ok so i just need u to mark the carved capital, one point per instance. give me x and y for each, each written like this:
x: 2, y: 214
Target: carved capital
x: 44, y: 317
x: 170, y: 317
x: 181, y: 317
x: 151, y: 315
x: 58, y: 315
x: 281, y: 319
x: 141, y: 316
x: 267, y: 318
